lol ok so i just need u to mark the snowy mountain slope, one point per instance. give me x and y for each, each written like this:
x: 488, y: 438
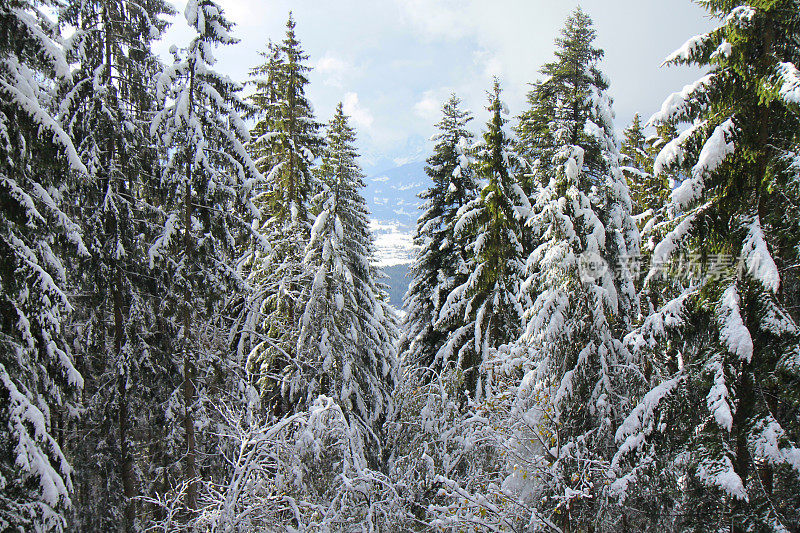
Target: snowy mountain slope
x: 392, y: 195
x: 393, y: 199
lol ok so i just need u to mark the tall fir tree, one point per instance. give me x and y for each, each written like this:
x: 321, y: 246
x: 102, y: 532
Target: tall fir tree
x: 107, y: 110
x: 346, y: 346
x: 573, y: 393
x: 651, y: 211
x: 442, y: 259
x: 38, y: 380
x: 208, y: 180
x: 285, y: 143
x: 487, y: 304
x: 648, y: 192
x: 564, y: 96
x: 721, y: 414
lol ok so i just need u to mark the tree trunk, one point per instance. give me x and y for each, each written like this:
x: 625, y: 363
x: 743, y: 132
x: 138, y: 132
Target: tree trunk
x: 125, y: 460
x: 190, y: 469
x: 745, y: 390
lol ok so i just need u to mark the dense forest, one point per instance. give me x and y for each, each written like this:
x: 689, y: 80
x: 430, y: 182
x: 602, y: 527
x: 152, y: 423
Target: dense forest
x: 600, y: 333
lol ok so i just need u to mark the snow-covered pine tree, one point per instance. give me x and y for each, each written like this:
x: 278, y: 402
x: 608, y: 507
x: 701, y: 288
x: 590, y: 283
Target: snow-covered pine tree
x: 348, y: 330
x: 573, y: 394
x: 441, y: 262
x: 487, y: 304
x: 721, y: 416
x: 311, y: 469
x: 207, y: 181
x: 38, y: 380
x: 567, y: 81
x: 285, y: 142
x: 107, y: 111
x: 648, y: 192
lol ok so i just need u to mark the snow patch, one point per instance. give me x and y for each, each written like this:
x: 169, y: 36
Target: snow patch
x: 394, y: 243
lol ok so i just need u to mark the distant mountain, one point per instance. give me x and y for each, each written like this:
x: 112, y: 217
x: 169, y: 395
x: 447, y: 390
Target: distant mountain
x: 393, y: 199
x: 398, y: 281
x: 393, y: 195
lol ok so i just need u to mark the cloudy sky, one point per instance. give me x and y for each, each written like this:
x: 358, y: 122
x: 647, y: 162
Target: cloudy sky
x: 393, y: 62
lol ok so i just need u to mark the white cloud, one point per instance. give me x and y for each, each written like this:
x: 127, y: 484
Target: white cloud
x: 513, y: 38
x: 428, y: 107
x: 436, y: 18
x: 360, y: 115
x: 397, y: 56
x: 489, y: 63
x: 334, y: 69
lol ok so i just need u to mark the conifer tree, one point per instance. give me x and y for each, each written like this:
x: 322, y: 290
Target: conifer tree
x: 441, y: 263
x: 107, y: 110
x: 285, y: 142
x: 651, y: 211
x: 346, y: 341
x: 636, y: 157
x: 721, y: 411
x: 573, y: 394
x: 563, y: 96
x: 38, y: 380
x: 207, y: 181
x: 488, y: 303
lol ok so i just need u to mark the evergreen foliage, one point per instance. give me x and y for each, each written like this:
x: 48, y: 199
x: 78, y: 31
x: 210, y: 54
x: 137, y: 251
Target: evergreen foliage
x: 573, y: 393
x: 107, y: 110
x: 194, y: 334
x: 563, y: 97
x: 728, y: 341
x: 441, y: 263
x: 488, y: 303
x: 636, y: 157
x: 39, y: 382
x: 348, y: 330
x: 285, y: 142
x: 207, y: 174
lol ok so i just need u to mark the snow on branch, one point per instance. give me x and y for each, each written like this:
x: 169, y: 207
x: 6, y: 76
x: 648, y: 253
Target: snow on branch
x: 677, y: 104
x: 674, y: 152
x: 688, y: 50
x: 757, y: 258
x: 641, y: 422
x: 34, y: 447
x: 18, y: 88
x: 770, y: 442
x: 691, y: 50
x: 733, y: 333
x: 656, y: 324
x: 718, y: 395
x: 669, y: 244
x: 720, y: 473
x: 789, y: 83
x: 714, y: 152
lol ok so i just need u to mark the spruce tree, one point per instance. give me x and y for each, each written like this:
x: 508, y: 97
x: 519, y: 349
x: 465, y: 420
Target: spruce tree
x: 573, y: 393
x: 441, y: 262
x: 107, y: 110
x: 347, y: 330
x: 38, y: 380
x: 487, y: 304
x: 651, y: 211
x: 648, y: 193
x: 563, y: 96
x: 207, y: 182
x: 724, y: 351
x: 285, y: 142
